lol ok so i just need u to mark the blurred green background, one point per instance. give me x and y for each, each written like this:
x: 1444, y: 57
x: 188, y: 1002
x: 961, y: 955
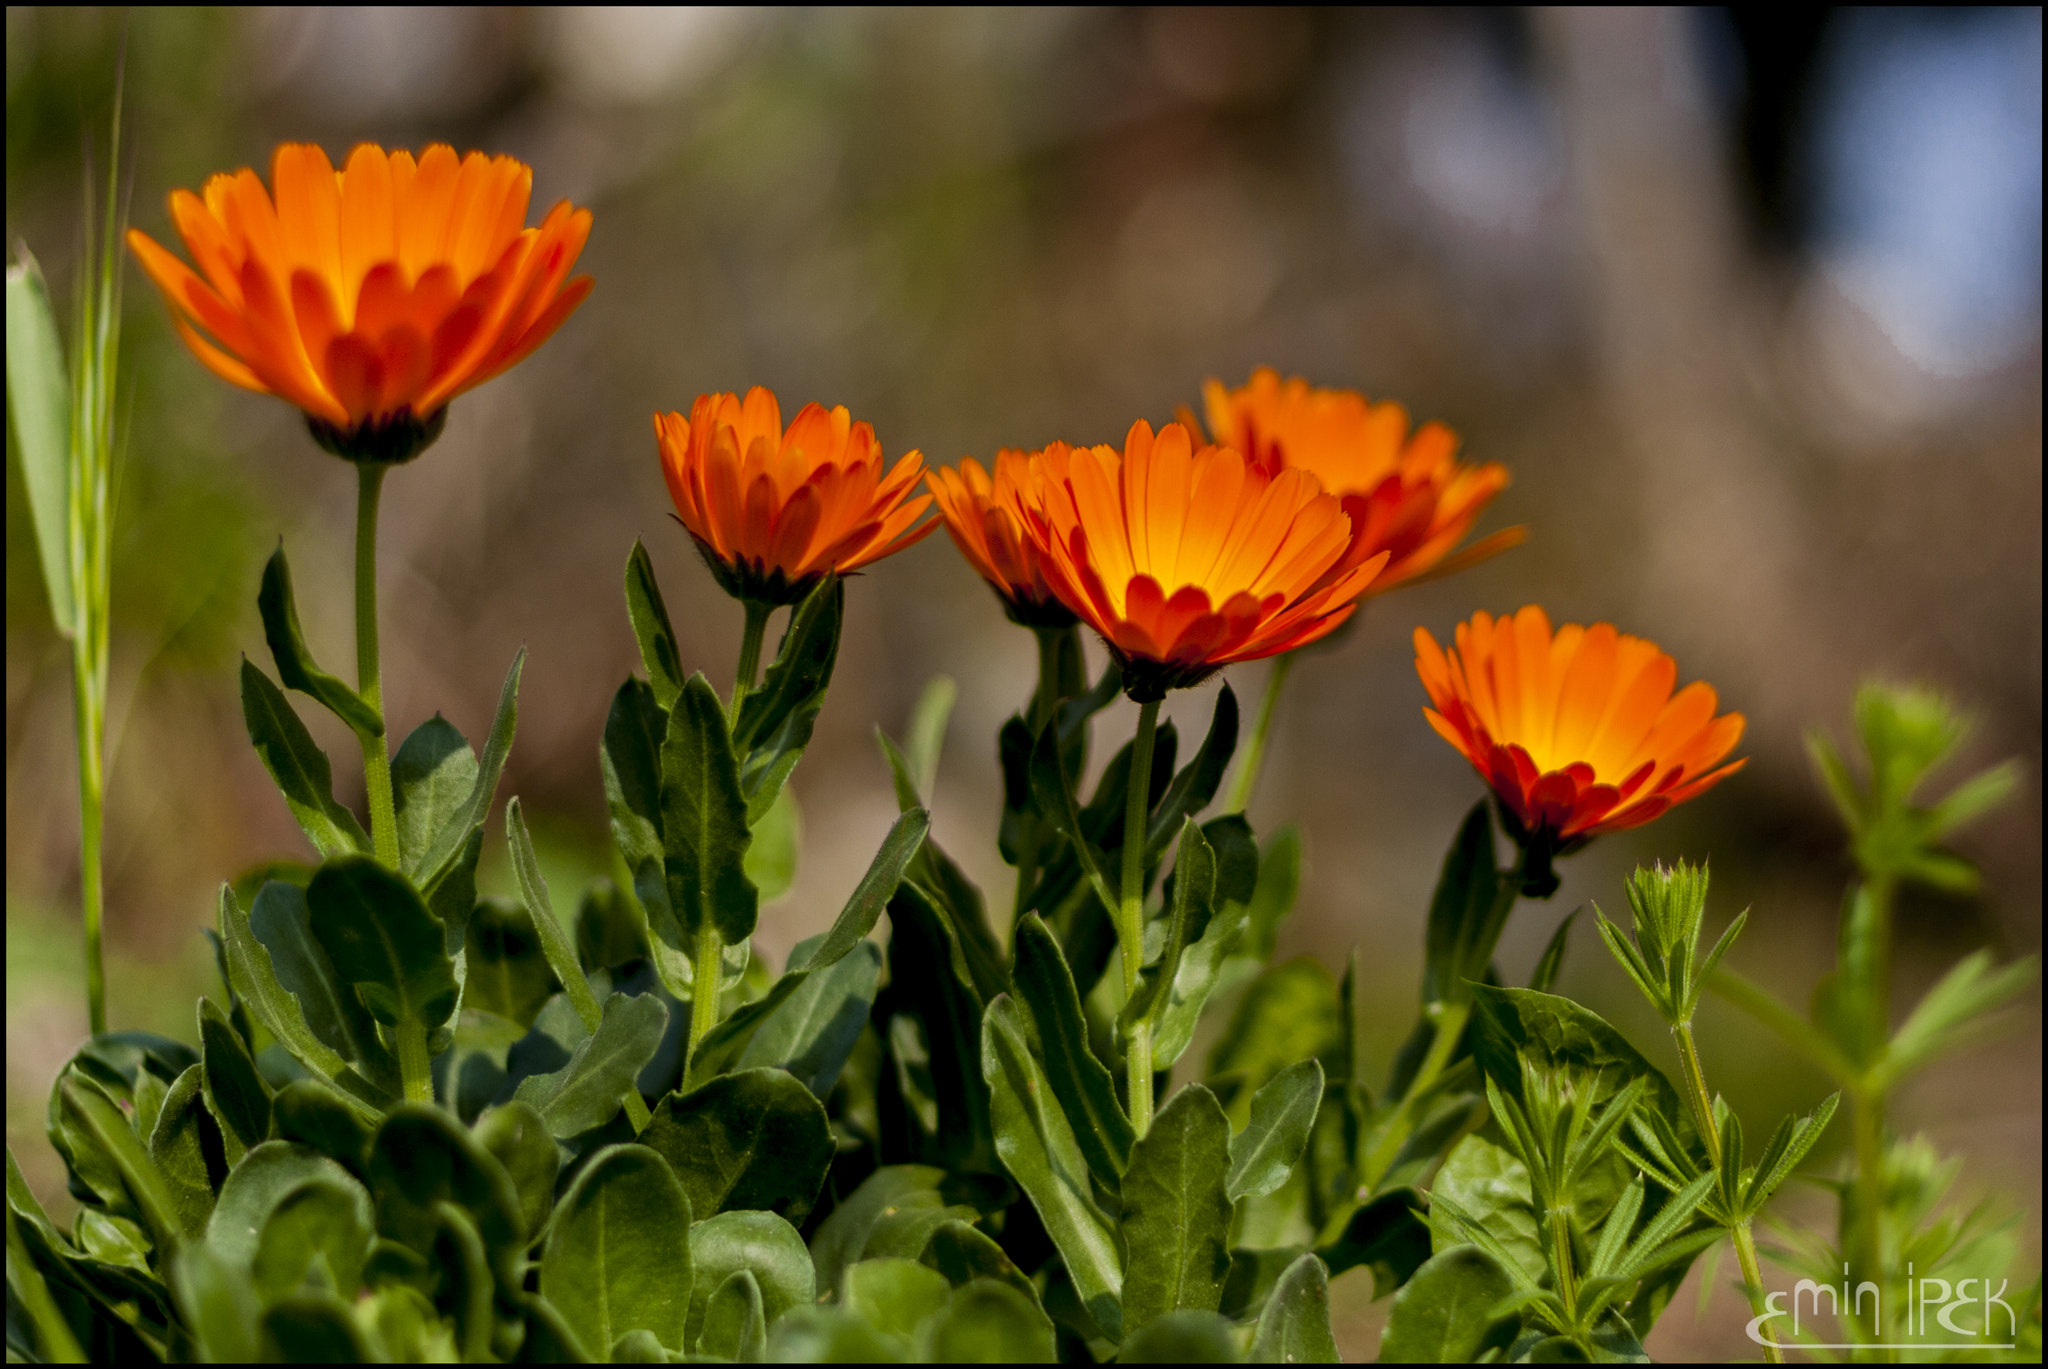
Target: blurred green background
x: 1750, y: 307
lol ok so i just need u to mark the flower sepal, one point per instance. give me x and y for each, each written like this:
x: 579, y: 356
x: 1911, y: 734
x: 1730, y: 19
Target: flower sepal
x: 387, y: 439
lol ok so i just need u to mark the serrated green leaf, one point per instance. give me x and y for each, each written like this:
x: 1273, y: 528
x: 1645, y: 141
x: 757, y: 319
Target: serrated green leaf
x: 753, y: 1139
x: 298, y: 766
x: 618, y: 1252
x: 651, y: 627
x: 1283, y: 1113
x: 296, y: 668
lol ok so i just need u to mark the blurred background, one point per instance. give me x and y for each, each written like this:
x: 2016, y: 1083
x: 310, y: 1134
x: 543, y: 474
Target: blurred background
x: 1748, y: 301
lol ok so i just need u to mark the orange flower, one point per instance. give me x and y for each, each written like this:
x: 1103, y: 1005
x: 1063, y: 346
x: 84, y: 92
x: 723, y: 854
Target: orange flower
x: 1578, y: 733
x: 985, y: 518
x: 775, y: 511
x: 372, y: 296
x: 1407, y: 494
x: 1187, y: 560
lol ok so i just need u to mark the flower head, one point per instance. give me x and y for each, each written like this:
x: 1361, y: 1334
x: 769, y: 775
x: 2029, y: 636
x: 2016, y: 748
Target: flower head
x: 1407, y: 493
x: 1578, y: 731
x: 985, y: 518
x: 372, y: 296
x: 1187, y: 559
x: 774, y: 511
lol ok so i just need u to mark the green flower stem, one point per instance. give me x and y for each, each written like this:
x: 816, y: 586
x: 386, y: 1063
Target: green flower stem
x: 414, y: 1066
x: 370, y: 680
x: 1865, y: 1243
x: 89, y: 711
x: 1452, y: 1016
x: 1043, y: 704
x: 1130, y: 923
x: 1703, y: 1116
x: 1255, y: 750
x: 706, y: 974
x: 750, y: 653
x: 1561, y: 1253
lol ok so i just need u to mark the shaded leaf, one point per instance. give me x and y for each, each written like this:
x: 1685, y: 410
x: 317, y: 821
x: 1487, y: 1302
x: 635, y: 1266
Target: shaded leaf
x: 382, y: 940
x: 1176, y: 1213
x: 1080, y: 1082
x: 587, y: 1091
x: 296, y: 667
x: 752, y: 1139
x: 179, y: 1143
x: 704, y: 825
x: 1184, y: 1337
x: 469, y: 817
x: 1282, y: 1114
x: 298, y: 766
x: 235, y: 1092
x: 618, y: 1252
x: 893, y: 1294
x: 1295, y: 1327
x: 759, y: 1243
x: 320, y: 1229
x: 1443, y: 1314
x: 432, y: 776
x: 987, y: 1322
x: 651, y: 628
x: 517, y: 1138
x: 895, y: 1210
x: 39, y: 410
x: 813, y: 1031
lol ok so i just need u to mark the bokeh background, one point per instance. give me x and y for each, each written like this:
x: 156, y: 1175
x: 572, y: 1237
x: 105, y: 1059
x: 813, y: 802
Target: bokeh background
x: 1750, y: 306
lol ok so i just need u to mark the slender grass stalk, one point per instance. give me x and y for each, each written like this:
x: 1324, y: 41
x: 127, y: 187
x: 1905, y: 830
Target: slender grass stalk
x: 369, y: 669
x: 1703, y: 1117
x: 1255, y: 750
x: 1130, y: 923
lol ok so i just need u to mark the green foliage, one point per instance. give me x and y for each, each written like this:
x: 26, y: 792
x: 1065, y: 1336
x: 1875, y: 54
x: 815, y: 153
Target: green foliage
x: 1669, y: 907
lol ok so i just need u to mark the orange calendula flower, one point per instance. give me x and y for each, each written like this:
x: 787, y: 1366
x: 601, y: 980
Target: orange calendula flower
x: 1407, y: 493
x: 985, y: 518
x: 372, y: 296
x: 1577, y: 731
x: 774, y: 511
x: 1187, y: 559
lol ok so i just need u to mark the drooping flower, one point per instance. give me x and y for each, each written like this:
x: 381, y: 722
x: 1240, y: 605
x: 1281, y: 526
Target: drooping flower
x: 1189, y: 558
x: 372, y: 296
x: 1407, y: 493
x: 774, y: 511
x: 1577, y: 731
x: 985, y: 518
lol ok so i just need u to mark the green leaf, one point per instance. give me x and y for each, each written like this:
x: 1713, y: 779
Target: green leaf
x: 39, y: 410
x: 1184, y: 1337
x: 630, y: 756
x: 268, y: 1175
x: 383, y: 941
x: 586, y: 1092
x: 759, y: 1243
x: 1552, y: 959
x: 470, y: 815
x: 517, y: 1138
x: 1283, y: 1113
x: 1444, y: 1314
x: 618, y: 1252
x: 1951, y: 1014
x: 1793, y: 1029
x: 894, y: 1294
x: 831, y: 1335
x: 1197, y: 782
x: 964, y: 1254
x: 508, y: 971
x: 813, y: 1031
x: 1176, y: 1212
x: 932, y: 985
x: 775, y: 720
x: 1081, y: 1084
x: 298, y: 766
x: 310, y: 1328
x: 753, y: 1139
x: 432, y: 777
x: 548, y: 1339
x: 1052, y: 790
x: 1193, y: 904
x: 295, y: 988
x: 1485, y: 1182
x: 1037, y: 1145
x: 1289, y: 1013
x: 704, y: 821
x: 235, y: 1093
x: 1463, y: 925
x: 987, y: 1322
x: 178, y: 1143
x: 1295, y: 1327
x: 735, y: 1323
x: 46, y: 1336
x: 927, y: 733
x: 315, y: 1114
x: 877, y: 886
x: 771, y: 857
x: 296, y: 667
x: 468, y: 1289
x: 217, y: 1302
x: 651, y: 628
x: 422, y: 1158
x: 319, y: 1230
x: 1553, y: 1033
x: 1386, y: 1236
x: 895, y: 1211
x: 533, y: 890
x: 89, y: 1118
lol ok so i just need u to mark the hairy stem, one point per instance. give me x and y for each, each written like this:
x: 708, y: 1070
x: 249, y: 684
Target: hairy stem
x: 750, y: 652
x: 1702, y: 1104
x: 414, y: 1067
x: 1130, y: 922
x: 705, y: 983
x: 1255, y: 750
x: 369, y: 670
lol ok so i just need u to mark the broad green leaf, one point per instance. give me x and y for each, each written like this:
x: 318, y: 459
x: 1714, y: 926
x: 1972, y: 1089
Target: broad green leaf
x: 507, y: 970
x: 610, y: 927
x: 39, y: 410
x: 1295, y: 1327
x: 1203, y: 967
x: 1461, y: 931
x: 630, y: 756
x: 813, y: 1031
x: 422, y: 1157
x: 319, y: 1230
x: 987, y: 1322
x: 1037, y: 1145
x: 1443, y: 1314
x: 1193, y: 904
x: 1176, y: 1212
x: 289, y: 957
x: 964, y: 1254
x: 618, y: 1252
x: 771, y: 858
x: 298, y: 766
x: 1555, y: 1033
x: 753, y: 1139
x: 895, y: 1211
x: 775, y: 721
x: 46, y: 1336
x: 517, y: 1138
x: 296, y: 667
x: 831, y: 1335
x: 468, y: 1287
x: 1289, y: 1013
x: 89, y: 1119
x: 383, y: 941
x: 1081, y: 1084
x: 178, y: 1143
x: 1283, y: 1112
x: 235, y: 1093
x: 932, y: 984
x: 310, y: 1328
x: 113, y: 1240
x: 1487, y: 1183
x: 268, y: 1175
x: 587, y: 1092
x: 759, y: 1243
x: 469, y: 816
x: 894, y: 1294
x: 735, y: 1323
x: 704, y: 821
x: 217, y: 1302
x: 1386, y: 1235
x: 1190, y: 1336
x: 432, y: 776
x: 651, y: 627
x: 313, y: 1113
x: 722, y: 1045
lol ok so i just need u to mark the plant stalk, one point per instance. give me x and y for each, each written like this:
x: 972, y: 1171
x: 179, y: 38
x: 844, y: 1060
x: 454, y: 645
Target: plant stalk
x: 750, y: 653
x: 1130, y: 923
x: 706, y: 973
x: 89, y: 712
x: 1702, y: 1104
x: 369, y: 671
x: 1255, y: 751
x: 414, y: 1066
x: 1044, y: 704
x: 1865, y: 1242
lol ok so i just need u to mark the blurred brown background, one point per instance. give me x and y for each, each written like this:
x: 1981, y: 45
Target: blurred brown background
x: 1750, y: 307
